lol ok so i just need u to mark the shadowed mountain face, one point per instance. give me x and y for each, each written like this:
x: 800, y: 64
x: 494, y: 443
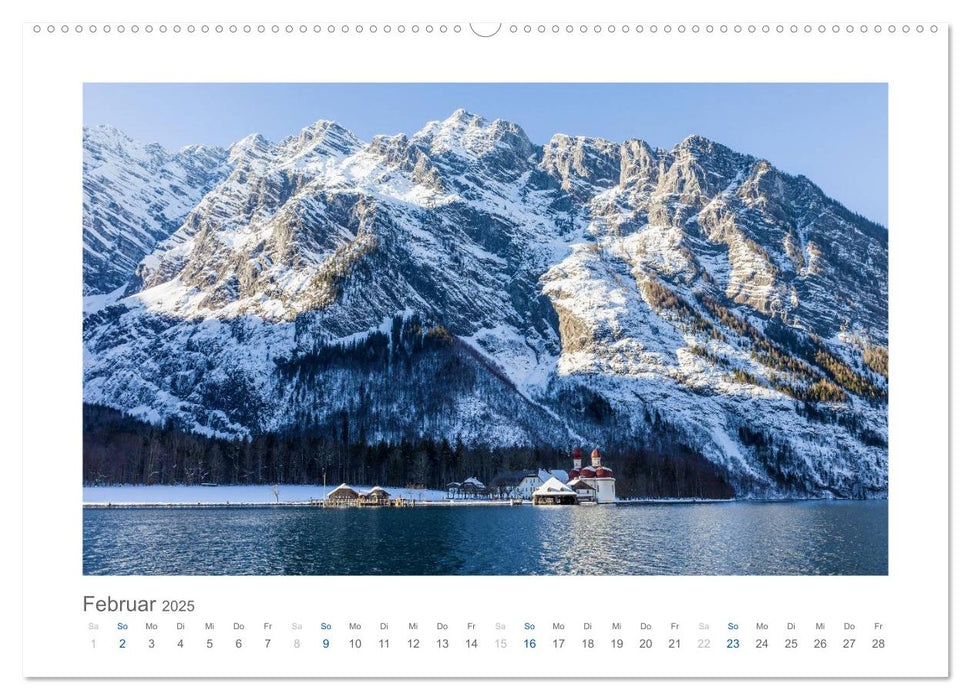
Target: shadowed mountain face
x: 465, y: 283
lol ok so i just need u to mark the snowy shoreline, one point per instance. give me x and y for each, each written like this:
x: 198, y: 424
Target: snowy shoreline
x: 295, y: 495
x: 263, y: 495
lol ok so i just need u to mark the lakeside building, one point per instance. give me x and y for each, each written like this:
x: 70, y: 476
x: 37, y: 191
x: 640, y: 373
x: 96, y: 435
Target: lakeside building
x: 586, y: 493
x: 597, y: 475
x: 588, y: 484
x: 376, y: 497
x: 532, y: 480
x: 470, y: 488
x: 344, y: 494
x: 347, y: 495
x: 554, y: 493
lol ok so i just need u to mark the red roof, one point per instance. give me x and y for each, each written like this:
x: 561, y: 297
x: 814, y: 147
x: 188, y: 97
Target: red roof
x: 596, y: 452
x: 577, y: 454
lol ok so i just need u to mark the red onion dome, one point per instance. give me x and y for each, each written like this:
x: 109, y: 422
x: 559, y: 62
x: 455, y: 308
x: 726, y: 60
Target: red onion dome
x: 577, y: 454
x: 605, y: 472
x: 587, y: 473
x: 574, y: 473
x: 596, y: 452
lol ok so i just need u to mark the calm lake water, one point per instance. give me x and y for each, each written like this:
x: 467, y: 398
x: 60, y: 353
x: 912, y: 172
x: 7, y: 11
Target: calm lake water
x: 844, y: 537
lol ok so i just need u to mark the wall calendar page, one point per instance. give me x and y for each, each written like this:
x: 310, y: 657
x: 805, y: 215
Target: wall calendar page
x: 441, y: 348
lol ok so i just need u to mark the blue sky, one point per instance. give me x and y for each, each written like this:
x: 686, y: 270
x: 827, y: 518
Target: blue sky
x: 835, y: 134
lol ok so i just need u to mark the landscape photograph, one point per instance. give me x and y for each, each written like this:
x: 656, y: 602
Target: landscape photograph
x: 484, y: 329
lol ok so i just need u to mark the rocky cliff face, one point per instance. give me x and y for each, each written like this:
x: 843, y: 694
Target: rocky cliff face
x: 135, y: 196
x: 464, y: 283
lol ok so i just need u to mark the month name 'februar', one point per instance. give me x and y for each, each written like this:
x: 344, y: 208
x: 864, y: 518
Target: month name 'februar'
x: 109, y: 604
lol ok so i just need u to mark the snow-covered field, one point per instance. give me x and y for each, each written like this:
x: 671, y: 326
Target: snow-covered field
x: 173, y: 495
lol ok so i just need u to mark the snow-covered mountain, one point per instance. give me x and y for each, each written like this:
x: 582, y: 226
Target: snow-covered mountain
x: 465, y: 283
x: 134, y: 197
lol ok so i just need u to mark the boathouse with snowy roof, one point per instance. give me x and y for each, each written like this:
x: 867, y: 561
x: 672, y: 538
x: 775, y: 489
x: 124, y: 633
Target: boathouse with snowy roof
x: 344, y: 494
x: 532, y: 480
x: 554, y: 492
x: 376, y: 497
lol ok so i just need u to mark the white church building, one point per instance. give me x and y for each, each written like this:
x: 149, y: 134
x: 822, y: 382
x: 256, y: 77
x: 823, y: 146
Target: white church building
x: 596, y: 475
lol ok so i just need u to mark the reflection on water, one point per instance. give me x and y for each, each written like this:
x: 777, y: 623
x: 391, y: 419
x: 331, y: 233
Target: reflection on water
x: 847, y: 537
